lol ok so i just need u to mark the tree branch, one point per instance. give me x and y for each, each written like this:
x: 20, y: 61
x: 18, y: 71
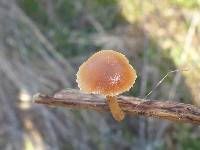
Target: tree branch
x: 169, y: 110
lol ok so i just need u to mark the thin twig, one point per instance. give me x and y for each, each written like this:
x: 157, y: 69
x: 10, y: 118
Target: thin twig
x: 131, y: 105
x: 170, y: 72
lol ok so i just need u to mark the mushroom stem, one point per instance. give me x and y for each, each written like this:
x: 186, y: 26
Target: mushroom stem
x: 115, y: 109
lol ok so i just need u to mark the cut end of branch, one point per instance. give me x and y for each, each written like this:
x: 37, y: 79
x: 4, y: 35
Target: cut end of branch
x: 36, y: 97
x: 40, y: 98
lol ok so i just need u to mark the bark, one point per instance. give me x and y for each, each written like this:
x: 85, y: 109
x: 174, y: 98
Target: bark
x: 169, y: 110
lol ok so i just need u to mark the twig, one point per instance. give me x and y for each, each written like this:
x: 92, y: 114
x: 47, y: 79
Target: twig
x: 154, y: 88
x: 131, y: 105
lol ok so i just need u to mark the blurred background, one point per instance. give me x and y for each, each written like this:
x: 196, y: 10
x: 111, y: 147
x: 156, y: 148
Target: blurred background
x: 42, y: 44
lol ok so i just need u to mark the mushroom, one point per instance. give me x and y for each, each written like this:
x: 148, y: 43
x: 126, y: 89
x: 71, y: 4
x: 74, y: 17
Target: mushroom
x: 109, y: 73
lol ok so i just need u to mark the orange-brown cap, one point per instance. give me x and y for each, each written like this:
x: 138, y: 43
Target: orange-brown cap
x: 106, y: 72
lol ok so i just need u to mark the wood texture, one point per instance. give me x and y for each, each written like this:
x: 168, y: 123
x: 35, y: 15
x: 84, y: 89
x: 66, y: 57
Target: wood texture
x: 169, y: 110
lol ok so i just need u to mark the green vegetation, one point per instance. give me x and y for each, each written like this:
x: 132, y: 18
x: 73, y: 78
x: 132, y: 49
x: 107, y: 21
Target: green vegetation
x: 69, y: 36
x: 35, y: 10
x: 189, y: 140
x: 187, y: 3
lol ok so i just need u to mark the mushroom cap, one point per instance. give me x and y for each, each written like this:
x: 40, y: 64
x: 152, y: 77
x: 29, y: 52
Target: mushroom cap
x: 106, y: 72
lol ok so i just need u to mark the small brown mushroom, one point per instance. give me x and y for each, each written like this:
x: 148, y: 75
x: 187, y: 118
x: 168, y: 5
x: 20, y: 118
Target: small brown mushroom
x: 109, y: 73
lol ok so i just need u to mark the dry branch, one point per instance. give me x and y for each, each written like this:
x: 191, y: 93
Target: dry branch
x: 131, y: 105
